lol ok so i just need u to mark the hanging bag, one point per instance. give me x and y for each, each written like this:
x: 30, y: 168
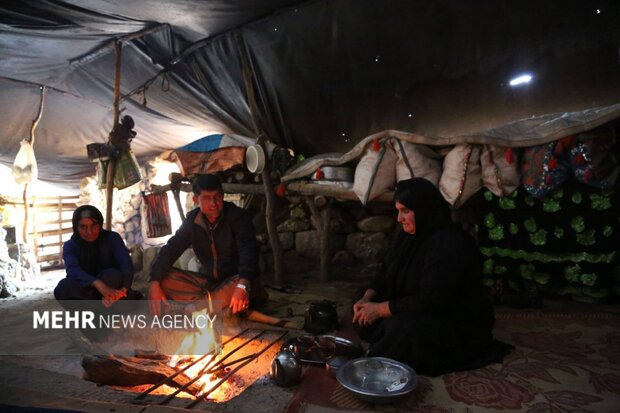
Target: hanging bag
x: 157, y: 215
x: 25, y: 164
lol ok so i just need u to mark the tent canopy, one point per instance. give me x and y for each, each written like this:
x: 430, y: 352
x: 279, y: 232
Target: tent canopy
x: 325, y: 74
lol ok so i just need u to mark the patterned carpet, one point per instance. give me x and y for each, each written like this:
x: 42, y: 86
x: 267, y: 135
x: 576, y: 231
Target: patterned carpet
x: 562, y: 363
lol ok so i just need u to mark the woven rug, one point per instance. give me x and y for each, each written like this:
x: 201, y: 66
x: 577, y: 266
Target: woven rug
x: 562, y: 362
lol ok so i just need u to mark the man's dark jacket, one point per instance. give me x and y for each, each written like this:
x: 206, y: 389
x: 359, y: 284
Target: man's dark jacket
x: 225, y: 248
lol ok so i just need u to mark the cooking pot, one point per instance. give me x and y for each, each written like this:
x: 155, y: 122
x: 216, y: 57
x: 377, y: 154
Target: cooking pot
x: 321, y: 317
x: 285, y: 369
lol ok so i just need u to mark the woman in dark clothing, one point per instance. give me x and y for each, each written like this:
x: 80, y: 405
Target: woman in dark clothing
x: 429, y: 310
x: 97, y: 261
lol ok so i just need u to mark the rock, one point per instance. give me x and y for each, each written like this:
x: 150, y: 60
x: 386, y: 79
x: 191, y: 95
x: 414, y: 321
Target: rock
x: 298, y: 212
x: 343, y: 257
x: 371, y: 270
x: 129, y: 227
x: 287, y: 239
x: 183, y: 260
x: 148, y: 258
x: 307, y: 243
x: 341, y: 226
x: 378, y: 223
x: 8, y: 288
x: 294, y: 225
x: 136, y: 252
x: 368, y: 247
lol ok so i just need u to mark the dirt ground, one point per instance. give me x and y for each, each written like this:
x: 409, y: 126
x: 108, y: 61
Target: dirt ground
x: 56, y: 382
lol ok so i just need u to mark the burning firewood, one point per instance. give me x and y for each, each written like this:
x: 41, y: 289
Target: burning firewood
x: 133, y: 371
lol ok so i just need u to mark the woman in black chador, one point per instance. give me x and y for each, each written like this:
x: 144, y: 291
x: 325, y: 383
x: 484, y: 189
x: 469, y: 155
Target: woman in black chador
x: 429, y: 309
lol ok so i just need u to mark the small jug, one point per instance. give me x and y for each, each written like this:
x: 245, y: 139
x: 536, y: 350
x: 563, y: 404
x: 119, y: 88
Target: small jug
x: 285, y: 369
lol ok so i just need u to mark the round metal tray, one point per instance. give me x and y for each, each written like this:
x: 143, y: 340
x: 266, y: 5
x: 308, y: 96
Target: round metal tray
x: 344, y: 348
x: 377, y: 379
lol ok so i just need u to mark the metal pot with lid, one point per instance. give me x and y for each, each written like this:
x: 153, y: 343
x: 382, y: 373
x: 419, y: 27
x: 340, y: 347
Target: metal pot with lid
x: 321, y: 317
x: 285, y: 369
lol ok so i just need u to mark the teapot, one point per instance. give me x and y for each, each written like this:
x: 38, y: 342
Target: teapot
x: 321, y: 317
x: 285, y: 369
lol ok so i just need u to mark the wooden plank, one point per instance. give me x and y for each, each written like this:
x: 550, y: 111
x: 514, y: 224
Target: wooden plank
x: 54, y: 198
x: 67, y: 206
x: 50, y: 244
x: 53, y: 232
x: 333, y: 191
x: 64, y: 221
x: 49, y: 257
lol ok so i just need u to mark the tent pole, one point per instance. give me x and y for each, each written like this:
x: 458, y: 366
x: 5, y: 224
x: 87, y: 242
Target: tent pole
x: 270, y: 199
x: 112, y: 162
x: 35, y: 123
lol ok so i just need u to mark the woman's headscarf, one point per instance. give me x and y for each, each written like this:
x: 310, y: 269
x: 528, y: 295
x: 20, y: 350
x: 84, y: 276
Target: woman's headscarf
x: 429, y: 206
x: 432, y: 213
x: 89, y: 251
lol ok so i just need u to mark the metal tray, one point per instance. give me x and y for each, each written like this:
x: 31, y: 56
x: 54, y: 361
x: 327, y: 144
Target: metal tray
x: 344, y: 348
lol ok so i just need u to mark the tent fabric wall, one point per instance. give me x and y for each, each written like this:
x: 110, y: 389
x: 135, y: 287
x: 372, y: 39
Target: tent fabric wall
x: 326, y: 73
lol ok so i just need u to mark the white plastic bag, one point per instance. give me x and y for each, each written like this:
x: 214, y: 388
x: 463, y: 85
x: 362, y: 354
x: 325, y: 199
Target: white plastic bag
x: 25, y: 164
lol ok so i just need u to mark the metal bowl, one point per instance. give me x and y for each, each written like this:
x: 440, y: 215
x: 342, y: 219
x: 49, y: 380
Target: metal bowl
x: 377, y: 379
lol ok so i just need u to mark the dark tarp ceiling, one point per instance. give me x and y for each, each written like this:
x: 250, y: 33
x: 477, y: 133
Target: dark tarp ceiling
x: 326, y: 73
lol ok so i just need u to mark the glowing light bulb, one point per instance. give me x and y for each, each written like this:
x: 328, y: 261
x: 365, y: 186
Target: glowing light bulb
x: 520, y: 80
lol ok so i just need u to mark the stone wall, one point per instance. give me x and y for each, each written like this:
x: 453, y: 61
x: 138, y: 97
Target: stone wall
x: 358, y: 236
x: 18, y: 265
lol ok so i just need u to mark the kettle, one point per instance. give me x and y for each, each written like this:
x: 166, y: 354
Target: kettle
x: 321, y: 317
x: 285, y: 369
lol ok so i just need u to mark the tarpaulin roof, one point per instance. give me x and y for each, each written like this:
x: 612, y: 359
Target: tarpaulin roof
x: 326, y: 74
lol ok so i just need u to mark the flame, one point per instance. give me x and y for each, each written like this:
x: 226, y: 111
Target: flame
x: 191, y: 348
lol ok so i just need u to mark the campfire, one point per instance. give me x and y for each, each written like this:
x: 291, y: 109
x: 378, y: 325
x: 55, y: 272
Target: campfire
x: 216, y: 376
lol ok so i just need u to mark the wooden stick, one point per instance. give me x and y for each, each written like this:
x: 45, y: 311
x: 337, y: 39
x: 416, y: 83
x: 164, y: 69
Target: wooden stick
x: 274, y: 239
x: 292, y: 188
x: 118, y: 46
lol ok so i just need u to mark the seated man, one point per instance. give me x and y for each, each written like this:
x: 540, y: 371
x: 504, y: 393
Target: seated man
x: 97, y: 261
x: 224, y: 240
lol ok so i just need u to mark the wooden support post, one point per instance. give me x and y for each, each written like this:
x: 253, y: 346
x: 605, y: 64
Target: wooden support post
x: 270, y: 199
x: 274, y: 238
x: 176, y: 194
x: 176, y: 180
x: 118, y: 46
x: 25, y: 229
x: 59, y: 224
x: 320, y: 208
x: 33, y: 127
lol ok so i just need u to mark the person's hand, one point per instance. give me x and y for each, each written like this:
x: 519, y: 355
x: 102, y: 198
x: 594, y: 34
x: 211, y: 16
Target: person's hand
x: 112, y: 298
x: 369, y: 312
x: 358, y: 306
x: 110, y: 295
x: 240, y: 300
x: 156, y: 297
x: 360, y: 303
